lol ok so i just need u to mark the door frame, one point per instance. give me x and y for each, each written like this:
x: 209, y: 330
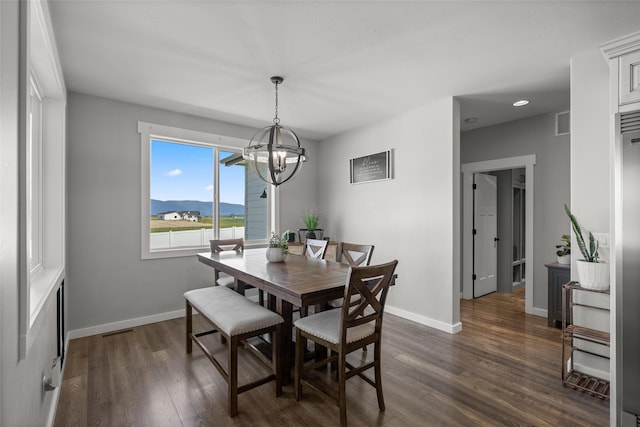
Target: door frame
x: 468, y: 169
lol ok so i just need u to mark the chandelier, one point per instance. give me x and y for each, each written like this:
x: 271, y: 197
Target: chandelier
x: 274, y: 152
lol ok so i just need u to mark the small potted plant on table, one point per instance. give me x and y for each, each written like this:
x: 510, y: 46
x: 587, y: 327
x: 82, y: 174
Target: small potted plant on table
x: 278, y: 247
x: 564, y: 250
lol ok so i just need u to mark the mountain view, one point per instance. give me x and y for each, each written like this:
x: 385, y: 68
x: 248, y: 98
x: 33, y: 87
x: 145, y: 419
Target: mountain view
x: 205, y: 208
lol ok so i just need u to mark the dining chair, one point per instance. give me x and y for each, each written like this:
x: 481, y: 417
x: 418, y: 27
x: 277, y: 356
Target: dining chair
x: 223, y: 279
x: 354, y: 254
x: 315, y: 248
x: 346, y: 330
x: 221, y: 245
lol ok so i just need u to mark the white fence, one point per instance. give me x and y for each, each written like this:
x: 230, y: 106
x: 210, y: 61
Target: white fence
x: 191, y: 238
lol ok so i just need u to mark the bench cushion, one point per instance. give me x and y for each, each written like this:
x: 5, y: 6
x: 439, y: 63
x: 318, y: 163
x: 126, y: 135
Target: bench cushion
x: 231, y: 312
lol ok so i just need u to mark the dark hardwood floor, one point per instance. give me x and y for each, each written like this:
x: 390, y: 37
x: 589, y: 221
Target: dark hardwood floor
x: 502, y: 369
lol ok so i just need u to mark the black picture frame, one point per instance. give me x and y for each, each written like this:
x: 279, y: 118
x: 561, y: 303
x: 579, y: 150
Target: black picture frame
x: 372, y: 167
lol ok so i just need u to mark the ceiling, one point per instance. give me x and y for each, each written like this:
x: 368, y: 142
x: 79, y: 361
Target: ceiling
x: 346, y: 64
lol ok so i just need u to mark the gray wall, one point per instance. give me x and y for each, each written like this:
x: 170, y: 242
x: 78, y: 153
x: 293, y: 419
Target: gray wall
x: 107, y: 281
x: 413, y: 217
x: 534, y: 135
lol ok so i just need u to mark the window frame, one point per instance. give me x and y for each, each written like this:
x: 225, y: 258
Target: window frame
x: 151, y: 131
x: 39, y: 63
x: 35, y: 186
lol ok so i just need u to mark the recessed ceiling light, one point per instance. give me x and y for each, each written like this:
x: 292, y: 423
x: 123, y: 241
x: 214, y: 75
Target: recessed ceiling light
x: 521, y: 103
x: 471, y: 120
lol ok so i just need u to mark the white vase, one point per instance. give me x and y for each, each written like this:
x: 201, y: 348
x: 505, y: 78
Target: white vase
x: 593, y: 275
x: 275, y: 254
x: 564, y: 259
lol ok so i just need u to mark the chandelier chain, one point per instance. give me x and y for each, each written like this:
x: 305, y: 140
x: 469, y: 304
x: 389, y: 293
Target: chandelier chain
x: 276, y: 120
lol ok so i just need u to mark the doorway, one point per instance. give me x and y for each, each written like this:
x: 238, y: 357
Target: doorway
x: 485, y: 234
x: 499, y: 231
x: 468, y: 170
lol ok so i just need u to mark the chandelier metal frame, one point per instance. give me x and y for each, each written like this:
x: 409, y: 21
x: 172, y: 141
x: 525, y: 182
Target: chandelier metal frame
x: 268, y: 147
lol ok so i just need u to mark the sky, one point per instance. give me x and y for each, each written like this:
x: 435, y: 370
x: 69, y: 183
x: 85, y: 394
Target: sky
x: 185, y: 172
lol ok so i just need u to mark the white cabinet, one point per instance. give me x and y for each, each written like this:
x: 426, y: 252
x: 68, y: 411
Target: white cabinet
x: 629, y: 78
x: 624, y: 60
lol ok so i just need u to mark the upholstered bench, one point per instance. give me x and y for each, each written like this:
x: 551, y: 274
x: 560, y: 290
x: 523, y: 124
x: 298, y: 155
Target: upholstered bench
x: 236, y: 318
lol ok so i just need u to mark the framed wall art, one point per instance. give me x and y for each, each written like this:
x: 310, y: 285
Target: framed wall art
x: 373, y: 167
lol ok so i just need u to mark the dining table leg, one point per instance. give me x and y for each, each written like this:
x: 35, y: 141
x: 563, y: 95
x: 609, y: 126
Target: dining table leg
x: 285, y: 309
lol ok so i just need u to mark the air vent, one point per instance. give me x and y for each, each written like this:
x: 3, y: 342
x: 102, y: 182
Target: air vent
x: 629, y: 122
x: 563, y: 123
x: 122, y: 331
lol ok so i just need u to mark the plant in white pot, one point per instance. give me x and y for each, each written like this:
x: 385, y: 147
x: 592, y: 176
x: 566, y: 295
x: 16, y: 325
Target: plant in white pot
x: 593, y: 273
x: 563, y: 251
x: 278, y: 247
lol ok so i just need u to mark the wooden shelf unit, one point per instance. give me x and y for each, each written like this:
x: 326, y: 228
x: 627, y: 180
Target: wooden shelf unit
x: 570, y: 376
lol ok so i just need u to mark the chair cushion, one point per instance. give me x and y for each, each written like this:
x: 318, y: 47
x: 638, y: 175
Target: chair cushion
x: 231, y: 312
x: 226, y: 280
x: 326, y: 325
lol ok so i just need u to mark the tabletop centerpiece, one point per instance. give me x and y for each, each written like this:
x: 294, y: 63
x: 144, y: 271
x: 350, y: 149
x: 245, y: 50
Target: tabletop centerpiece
x: 278, y: 247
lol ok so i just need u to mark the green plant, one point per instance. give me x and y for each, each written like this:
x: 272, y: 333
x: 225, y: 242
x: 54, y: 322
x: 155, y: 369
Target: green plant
x: 590, y: 254
x: 280, y: 241
x: 311, y: 221
x: 564, y: 248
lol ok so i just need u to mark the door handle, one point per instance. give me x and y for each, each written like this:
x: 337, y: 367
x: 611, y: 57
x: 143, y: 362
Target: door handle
x: 495, y: 241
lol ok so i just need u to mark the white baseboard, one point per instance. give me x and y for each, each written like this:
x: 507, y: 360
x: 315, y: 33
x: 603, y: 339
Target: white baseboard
x: 423, y: 320
x: 51, y: 418
x: 124, y: 324
x: 538, y: 312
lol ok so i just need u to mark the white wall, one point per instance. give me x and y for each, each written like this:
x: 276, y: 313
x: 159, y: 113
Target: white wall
x: 590, y: 167
x: 107, y: 282
x: 410, y: 217
x: 23, y: 401
x: 534, y: 135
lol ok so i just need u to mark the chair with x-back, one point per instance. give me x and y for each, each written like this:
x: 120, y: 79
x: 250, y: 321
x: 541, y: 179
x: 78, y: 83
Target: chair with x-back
x: 221, y: 245
x: 346, y: 330
x: 223, y: 279
x: 354, y: 254
x: 314, y: 248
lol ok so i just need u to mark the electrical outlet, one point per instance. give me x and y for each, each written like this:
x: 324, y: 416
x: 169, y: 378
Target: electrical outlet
x: 602, y: 238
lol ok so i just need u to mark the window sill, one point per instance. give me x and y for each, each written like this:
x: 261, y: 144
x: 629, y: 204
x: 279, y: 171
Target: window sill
x: 42, y: 286
x: 193, y: 251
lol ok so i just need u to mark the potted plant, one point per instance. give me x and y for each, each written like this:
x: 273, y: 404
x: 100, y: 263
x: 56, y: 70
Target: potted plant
x: 564, y: 250
x: 312, y: 231
x: 278, y: 247
x: 593, y: 273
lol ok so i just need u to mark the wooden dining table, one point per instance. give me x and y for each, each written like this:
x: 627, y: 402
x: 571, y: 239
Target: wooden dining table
x: 299, y: 281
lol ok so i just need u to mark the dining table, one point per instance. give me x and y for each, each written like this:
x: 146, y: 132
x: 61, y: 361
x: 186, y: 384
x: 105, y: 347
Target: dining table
x: 299, y: 281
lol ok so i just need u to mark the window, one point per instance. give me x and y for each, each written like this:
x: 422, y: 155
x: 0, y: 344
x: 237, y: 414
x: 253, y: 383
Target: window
x: 34, y: 177
x: 196, y: 187
x: 41, y: 166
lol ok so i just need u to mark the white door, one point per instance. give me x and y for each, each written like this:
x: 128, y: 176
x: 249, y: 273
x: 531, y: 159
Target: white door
x: 485, y: 242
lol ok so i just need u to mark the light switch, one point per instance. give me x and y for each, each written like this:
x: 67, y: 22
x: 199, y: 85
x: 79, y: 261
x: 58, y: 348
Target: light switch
x: 602, y: 238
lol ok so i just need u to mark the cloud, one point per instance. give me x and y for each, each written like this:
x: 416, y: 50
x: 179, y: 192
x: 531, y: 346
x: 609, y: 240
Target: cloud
x: 208, y: 187
x: 174, y: 172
